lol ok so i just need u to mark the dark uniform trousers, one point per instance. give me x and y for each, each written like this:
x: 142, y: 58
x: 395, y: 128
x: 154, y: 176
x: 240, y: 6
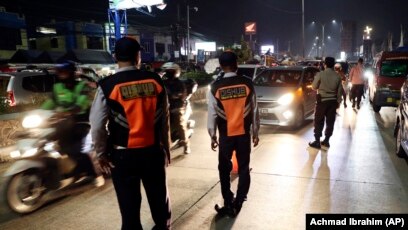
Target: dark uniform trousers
x: 325, y: 110
x: 131, y: 167
x: 242, y: 146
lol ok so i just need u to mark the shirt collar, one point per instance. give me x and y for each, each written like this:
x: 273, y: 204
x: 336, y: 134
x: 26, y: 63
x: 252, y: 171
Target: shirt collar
x: 230, y: 74
x: 127, y: 68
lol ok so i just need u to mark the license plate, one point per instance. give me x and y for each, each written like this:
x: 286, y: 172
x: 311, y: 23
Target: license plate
x: 264, y: 111
x: 390, y: 99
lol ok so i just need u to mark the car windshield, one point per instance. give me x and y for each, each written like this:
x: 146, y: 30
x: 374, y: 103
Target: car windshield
x: 249, y: 72
x: 278, y: 78
x: 394, y: 68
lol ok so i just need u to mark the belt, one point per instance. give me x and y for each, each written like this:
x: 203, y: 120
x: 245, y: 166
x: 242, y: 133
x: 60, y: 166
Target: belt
x: 118, y: 147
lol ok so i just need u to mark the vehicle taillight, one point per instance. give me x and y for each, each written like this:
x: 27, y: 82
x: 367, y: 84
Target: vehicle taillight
x: 12, y: 100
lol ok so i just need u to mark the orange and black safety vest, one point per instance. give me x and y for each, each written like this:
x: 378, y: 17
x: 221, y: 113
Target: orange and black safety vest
x: 138, y: 108
x: 234, y: 105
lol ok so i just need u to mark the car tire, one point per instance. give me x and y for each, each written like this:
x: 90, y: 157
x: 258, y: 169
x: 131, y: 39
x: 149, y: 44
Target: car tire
x: 299, y: 119
x: 376, y: 108
x: 399, y: 150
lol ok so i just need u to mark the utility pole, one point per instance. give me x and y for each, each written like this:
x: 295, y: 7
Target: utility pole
x: 323, y: 45
x: 188, y: 32
x: 303, y: 28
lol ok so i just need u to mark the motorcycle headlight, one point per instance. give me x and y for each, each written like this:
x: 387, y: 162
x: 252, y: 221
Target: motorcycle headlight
x: 29, y: 152
x: 286, y: 99
x: 32, y: 121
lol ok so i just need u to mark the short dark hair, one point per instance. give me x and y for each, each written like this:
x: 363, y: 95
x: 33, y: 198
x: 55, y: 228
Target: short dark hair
x: 360, y: 60
x: 126, y: 49
x: 329, y: 62
x: 228, y: 58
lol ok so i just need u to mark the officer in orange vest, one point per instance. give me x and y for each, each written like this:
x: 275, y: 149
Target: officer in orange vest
x: 134, y: 146
x: 232, y: 109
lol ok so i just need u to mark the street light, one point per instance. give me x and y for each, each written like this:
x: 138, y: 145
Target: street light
x: 323, y: 45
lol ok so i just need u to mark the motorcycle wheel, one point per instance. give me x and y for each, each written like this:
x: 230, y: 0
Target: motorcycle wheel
x: 24, y: 192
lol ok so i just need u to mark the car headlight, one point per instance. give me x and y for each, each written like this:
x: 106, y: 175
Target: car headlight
x: 286, y: 99
x: 368, y: 74
x: 32, y: 121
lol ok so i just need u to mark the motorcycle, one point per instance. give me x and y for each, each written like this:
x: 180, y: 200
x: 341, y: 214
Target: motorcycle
x: 191, y: 86
x: 41, y: 168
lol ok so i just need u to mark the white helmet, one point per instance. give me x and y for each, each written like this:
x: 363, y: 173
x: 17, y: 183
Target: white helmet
x: 337, y: 66
x: 172, y: 66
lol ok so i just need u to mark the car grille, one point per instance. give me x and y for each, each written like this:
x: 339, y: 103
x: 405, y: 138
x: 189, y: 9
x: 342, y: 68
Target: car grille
x: 268, y: 116
x: 267, y: 104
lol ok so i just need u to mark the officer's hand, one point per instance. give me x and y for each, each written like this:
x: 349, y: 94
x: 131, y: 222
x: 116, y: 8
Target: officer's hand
x: 255, y: 140
x: 214, y: 144
x: 105, y: 165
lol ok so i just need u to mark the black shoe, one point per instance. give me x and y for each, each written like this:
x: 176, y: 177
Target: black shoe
x: 237, y: 206
x: 345, y: 105
x: 226, y: 210
x: 315, y: 144
x: 325, y: 144
x: 354, y: 105
x: 358, y: 106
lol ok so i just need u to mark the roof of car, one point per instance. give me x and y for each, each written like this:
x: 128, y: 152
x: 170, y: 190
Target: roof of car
x: 293, y: 68
x: 250, y: 65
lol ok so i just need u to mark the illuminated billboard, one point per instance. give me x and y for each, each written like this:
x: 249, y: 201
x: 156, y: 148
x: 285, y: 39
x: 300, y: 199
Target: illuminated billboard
x: 250, y: 28
x: 206, y: 46
x: 129, y: 4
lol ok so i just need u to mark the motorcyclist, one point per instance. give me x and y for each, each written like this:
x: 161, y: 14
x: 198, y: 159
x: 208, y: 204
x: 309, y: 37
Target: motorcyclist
x: 177, y: 94
x: 71, y: 101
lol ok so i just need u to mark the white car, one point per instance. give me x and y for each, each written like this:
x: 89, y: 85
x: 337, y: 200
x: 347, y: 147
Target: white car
x: 250, y: 70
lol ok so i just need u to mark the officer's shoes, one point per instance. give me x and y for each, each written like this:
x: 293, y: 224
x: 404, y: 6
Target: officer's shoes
x: 237, y: 205
x: 315, y: 144
x: 325, y: 144
x: 225, y: 211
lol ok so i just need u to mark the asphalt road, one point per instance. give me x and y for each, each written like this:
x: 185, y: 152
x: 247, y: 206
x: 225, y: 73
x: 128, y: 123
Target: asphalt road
x: 359, y: 174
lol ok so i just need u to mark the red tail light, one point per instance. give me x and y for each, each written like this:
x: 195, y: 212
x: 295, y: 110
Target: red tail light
x: 12, y: 100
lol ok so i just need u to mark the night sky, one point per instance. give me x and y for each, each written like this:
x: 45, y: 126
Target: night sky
x: 223, y: 20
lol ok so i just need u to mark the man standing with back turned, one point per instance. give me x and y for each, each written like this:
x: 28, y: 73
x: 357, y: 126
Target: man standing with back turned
x: 329, y: 92
x: 233, y: 110
x: 135, y: 144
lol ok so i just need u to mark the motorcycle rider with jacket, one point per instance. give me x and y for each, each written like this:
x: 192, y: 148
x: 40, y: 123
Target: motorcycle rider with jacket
x: 177, y: 95
x: 71, y: 101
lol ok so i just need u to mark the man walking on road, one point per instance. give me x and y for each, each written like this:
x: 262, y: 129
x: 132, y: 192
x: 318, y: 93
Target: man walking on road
x: 232, y: 108
x: 135, y: 144
x: 357, y: 80
x: 329, y: 92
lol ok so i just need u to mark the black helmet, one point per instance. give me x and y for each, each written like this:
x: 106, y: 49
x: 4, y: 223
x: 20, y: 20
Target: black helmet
x: 69, y: 66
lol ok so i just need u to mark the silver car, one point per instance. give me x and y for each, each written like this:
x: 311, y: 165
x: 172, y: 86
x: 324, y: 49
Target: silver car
x: 26, y: 87
x: 285, y: 96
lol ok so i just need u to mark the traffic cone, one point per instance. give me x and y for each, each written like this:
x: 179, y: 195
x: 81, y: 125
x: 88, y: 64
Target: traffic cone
x: 234, y: 163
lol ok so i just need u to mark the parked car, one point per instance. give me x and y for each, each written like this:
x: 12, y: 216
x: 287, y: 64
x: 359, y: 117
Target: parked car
x: 389, y: 72
x: 401, y: 124
x: 27, y: 86
x: 31, y: 83
x: 285, y: 96
x: 250, y: 70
